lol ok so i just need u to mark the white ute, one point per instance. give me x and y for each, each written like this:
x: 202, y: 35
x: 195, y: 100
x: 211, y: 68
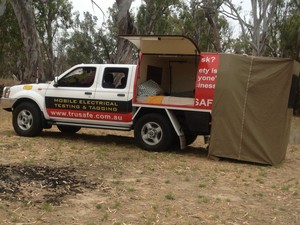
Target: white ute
x: 164, y: 98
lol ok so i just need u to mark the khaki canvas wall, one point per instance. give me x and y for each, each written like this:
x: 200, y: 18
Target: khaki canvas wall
x: 250, y: 115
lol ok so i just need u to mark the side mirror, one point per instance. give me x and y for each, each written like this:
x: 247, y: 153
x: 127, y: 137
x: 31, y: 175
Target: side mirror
x: 55, y: 81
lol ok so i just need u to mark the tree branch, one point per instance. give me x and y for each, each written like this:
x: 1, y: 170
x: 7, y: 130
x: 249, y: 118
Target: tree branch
x: 94, y: 3
x: 2, y: 6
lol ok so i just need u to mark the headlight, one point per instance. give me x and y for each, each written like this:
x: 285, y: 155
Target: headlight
x: 6, y: 92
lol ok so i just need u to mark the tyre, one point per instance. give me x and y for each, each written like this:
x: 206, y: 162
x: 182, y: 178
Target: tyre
x: 68, y: 129
x: 154, y: 132
x: 27, y: 120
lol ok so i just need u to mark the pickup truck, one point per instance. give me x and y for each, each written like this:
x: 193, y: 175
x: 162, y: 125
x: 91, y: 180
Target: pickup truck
x: 165, y: 98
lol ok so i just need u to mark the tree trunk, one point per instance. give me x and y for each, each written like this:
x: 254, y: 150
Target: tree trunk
x: 298, y: 46
x: 49, y: 48
x: 262, y: 14
x: 2, y: 6
x: 210, y: 13
x: 126, y: 26
x: 34, y: 65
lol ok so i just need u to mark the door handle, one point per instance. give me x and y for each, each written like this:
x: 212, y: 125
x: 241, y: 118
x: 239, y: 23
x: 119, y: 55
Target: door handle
x: 88, y: 93
x: 121, y: 95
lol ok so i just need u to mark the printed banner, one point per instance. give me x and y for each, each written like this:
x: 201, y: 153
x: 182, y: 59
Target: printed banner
x: 206, y: 80
x: 89, y: 109
x: 89, y: 115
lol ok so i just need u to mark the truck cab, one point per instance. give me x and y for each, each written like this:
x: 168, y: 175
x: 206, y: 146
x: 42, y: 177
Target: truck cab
x: 92, y: 95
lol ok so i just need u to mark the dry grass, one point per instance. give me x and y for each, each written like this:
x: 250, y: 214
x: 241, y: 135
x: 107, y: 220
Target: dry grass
x: 8, y: 82
x: 140, y: 187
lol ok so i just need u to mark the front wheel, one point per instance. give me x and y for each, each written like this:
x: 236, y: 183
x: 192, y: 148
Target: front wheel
x: 153, y: 132
x: 27, y: 120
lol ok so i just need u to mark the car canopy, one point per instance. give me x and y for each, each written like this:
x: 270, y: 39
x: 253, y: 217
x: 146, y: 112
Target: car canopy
x: 251, y: 114
x: 169, y: 45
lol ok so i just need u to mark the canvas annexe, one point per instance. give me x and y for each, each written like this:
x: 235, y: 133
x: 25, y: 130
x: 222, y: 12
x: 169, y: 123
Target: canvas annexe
x: 173, y: 94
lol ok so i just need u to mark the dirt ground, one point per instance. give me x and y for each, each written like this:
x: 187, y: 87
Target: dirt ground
x: 101, y: 177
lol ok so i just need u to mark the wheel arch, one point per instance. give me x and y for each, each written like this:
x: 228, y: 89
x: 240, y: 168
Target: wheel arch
x: 144, y: 110
x: 183, y: 122
x: 22, y: 100
x: 167, y: 113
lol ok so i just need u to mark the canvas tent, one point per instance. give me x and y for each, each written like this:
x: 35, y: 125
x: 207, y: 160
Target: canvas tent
x: 250, y: 116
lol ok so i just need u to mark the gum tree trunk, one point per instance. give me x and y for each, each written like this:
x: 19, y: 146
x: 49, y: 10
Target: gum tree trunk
x: 298, y: 46
x: 34, y: 65
x: 126, y: 26
x: 2, y: 6
x: 262, y: 14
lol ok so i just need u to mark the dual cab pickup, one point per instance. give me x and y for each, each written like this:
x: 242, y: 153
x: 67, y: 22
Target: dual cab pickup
x: 166, y: 98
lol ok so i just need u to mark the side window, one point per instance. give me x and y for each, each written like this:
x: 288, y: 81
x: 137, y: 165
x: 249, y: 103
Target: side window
x: 79, y: 77
x: 115, y: 78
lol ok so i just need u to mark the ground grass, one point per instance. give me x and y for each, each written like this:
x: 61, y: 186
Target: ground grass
x: 6, y: 82
x: 140, y: 187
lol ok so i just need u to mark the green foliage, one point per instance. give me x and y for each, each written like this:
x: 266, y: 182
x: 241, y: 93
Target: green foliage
x: 289, y: 30
x: 157, y: 17
x: 240, y: 45
x: 280, y: 37
x: 112, y: 22
x: 226, y: 34
x: 193, y: 24
x: 84, y: 44
x: 67, y: 39
x: 176, y: 17
x: 52, y: 16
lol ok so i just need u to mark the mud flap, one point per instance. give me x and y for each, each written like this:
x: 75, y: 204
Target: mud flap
x: 177, y: 127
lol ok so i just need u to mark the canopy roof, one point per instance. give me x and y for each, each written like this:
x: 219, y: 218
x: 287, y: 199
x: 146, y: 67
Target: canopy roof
x: 150, y: 44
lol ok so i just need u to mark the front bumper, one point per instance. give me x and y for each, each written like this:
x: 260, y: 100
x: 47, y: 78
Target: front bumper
x: 7, y: 103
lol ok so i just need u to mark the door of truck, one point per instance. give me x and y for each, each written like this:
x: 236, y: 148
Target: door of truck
x: 68, y: 99
x: 114, y: 91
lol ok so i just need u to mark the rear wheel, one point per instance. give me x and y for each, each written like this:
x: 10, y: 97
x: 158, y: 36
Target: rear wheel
x: 153, y: 132
x: 27, y: 120
x: 190, y: 138
x: 68, y: 129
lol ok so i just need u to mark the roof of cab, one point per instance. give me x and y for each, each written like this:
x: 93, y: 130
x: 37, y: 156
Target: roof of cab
x: 163, y: 44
